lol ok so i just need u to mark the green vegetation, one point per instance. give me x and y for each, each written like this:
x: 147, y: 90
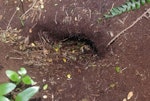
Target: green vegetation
x: 20, y: 87
x: 129, y: 5
x: 118, y: 69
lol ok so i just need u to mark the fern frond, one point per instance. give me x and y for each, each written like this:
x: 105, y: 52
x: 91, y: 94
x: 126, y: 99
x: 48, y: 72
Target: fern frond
x: 127, y: 6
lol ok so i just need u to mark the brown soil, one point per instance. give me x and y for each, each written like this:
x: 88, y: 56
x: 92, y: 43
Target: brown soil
x: 74, y: 73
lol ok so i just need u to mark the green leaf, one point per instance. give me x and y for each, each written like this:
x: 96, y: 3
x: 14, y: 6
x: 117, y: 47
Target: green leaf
x: 148, y: 1
x: 45, y: 87
x: 127, y: 6
x: 27, y: 94
x: 121, y: 9
x: 2, y: 98
x: 6, y: 88
x: 115, y: 11
x: 143, y: 2
x: 118, y: 70
x: 133, y: 7
x: 22, y: 71
x: 12, y: 75
x: 22, y: 22
x: 138, y: 5
x: 27, y: 80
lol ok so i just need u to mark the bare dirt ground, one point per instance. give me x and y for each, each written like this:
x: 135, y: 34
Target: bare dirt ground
x: 74, y: 73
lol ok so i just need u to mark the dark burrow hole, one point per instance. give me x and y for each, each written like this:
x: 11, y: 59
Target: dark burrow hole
x: 67, y: 41
x: 81, y: 40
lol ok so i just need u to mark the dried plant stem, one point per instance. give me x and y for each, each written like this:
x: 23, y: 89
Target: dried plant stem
x: 29, y: 9
x: 8, y: 26
x: 127, y: 28
x: 11, y: 20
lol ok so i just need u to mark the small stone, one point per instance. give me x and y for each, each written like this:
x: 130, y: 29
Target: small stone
x: 44, y: 80
x: 124, y: 99
x: 17, y: 8
x: 42, y: 6
x: 30, y: 30
x: 44, y: 96
x: 130, y: 95
x: 56, y: 4
x: 75, y: 19
x: 69, y: 77
x: 33, y: 44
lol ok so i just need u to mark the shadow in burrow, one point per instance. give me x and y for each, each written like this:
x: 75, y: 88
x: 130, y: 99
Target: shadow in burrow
x: 96, y: 41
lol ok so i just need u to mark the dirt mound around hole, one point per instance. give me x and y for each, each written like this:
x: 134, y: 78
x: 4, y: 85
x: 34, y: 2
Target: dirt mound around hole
x: 61, y: 19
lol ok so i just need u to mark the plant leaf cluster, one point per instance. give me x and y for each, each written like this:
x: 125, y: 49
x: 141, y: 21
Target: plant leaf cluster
x: 17, y: 80
x: 129, y: 5
x: 20, y: 77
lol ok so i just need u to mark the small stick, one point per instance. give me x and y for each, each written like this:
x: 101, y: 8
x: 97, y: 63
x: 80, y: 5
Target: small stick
x: 29, y: 9
x: 11, y: 20
x: 15, y: 58
x: 119, y: 34
x: 56, y: 17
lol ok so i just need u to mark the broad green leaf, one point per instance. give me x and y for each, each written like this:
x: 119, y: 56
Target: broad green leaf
x: 12, y: 75
x: 6, y: 88
x: 27, y: 80
x: 27, y: 94
x: 125, y: 7
x: 2, y: 98
x: 138, y: 5
x: 22, y: 71
x: 114, y: 11
x: 121, y: 9
x: 133, y: 7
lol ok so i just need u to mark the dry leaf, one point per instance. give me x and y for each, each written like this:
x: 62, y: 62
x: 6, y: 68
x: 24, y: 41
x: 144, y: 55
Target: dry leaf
x: 56, y: 49
x: 64, y: 60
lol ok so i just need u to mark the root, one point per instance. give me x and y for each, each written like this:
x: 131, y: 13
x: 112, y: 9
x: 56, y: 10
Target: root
x: 137, y: 20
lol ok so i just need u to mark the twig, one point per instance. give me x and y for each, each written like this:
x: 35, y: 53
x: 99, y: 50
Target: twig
x: 15, y: 58
x: 118, y: 35
x: 52, y: 97
x: 11, y: 20
x: 56, y: 17
x: 29, y: 9
x: 22, y: 5
x: 7, y: 28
